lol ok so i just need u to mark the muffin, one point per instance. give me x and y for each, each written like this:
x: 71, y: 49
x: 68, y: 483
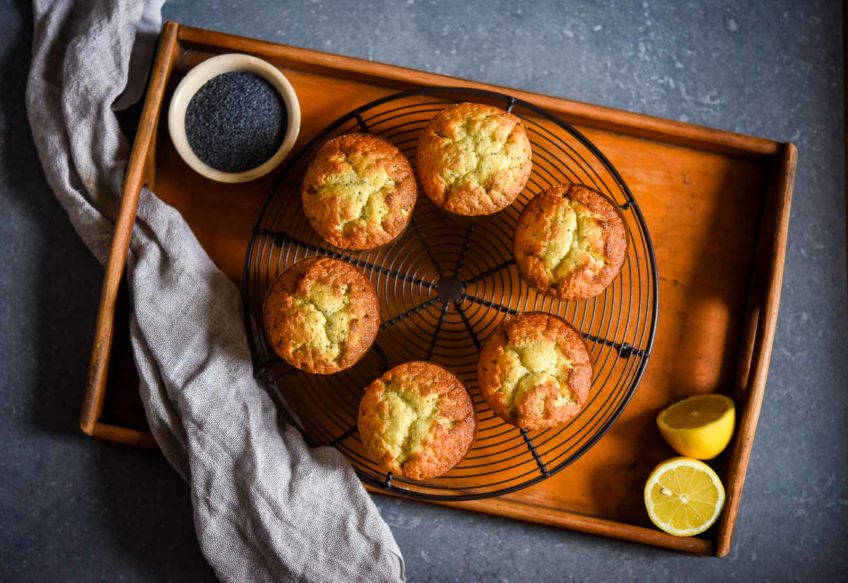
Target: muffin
x: 358, y: 192
x: 321, y: 315
x: 417, y: 420
x: 535, y: 371
x: 473, y: 159
x: 570, y: 242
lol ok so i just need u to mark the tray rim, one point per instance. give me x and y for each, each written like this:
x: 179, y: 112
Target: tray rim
x: 764, y: 289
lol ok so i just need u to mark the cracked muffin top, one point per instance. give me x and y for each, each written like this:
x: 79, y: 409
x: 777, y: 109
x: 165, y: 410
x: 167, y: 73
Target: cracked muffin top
x: 473, y: 159
x: 570, y: 242
x: 417, y: 420
x: 358, y: 192
x: 321, y: 315
x: 535, y: 371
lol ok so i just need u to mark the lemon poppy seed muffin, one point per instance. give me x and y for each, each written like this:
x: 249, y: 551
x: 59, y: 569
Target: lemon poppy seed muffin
x: 535, y: 371
x: 321, y: 315
x: 358, y: 192
x: 473, y: 159
x: 417, y: 420
x: 570, y: 242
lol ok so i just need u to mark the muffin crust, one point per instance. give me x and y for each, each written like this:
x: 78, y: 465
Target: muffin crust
x: 473, y: 159
x: 417, y: 420
x: 570, y: 242
x: 321, y: 315
x: 358, y: 192
x: 535, y: 371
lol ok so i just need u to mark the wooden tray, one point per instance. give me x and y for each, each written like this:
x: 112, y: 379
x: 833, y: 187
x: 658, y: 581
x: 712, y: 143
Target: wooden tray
x: 717, y: 205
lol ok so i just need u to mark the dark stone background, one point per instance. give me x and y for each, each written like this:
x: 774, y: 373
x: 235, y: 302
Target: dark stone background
x: 77, y: 509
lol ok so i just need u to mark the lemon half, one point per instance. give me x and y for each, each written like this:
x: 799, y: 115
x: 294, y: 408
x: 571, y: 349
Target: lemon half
x: 683, y: 496
x: 700, y: 426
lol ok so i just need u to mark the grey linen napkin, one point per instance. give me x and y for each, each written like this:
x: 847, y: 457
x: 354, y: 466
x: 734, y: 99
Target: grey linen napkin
x: 266, y: 507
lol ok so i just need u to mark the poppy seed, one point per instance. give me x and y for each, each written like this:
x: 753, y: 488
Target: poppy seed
x: 236, y: 121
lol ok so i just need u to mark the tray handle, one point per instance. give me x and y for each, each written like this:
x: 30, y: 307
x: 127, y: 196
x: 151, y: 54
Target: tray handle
x: 759, y: 338
x: 137, y: 177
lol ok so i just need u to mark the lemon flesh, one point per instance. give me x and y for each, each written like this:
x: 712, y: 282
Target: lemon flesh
x: 699, y: 427
x: 683, y: 496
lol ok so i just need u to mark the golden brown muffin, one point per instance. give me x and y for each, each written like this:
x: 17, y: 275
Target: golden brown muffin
x: 570, y: 242
x: 359, y: 191
x: 321, y: 315
x: 473, y: 159
x: 417, y: 420
x: 535, y: 371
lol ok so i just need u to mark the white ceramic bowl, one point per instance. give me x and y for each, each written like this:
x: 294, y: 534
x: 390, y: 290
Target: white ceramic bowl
x: 197, y: 78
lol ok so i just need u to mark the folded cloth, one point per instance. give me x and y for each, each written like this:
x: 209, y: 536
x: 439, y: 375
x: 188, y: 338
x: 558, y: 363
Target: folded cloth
x: 266, y: 506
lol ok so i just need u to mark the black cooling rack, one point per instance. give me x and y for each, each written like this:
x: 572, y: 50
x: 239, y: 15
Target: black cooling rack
x: 443, y: 287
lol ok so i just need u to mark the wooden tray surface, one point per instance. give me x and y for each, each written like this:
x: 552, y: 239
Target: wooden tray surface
x: 716, y: 204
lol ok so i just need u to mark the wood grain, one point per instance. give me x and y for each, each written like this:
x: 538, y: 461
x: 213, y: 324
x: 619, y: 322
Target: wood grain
x: 717, y: 205
x: 370, y: 73
x: 767, y: 284
x: 133, y: 182
x: 511, y: 506
x: 124, y: 435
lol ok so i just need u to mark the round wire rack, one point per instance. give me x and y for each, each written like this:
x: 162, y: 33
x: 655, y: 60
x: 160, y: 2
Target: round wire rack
x: 443, y: 286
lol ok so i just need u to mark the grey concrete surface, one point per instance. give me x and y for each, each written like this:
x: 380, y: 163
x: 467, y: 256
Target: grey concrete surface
x: 76, y: 509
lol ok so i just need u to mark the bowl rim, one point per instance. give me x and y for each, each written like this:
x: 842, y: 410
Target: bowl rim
x: 196, y: 78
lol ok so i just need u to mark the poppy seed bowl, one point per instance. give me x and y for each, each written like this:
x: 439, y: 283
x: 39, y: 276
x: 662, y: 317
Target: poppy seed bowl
x: 234, y: 118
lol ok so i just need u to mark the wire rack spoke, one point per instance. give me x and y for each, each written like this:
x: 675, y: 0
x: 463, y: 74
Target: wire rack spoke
x: 281, y: 238
x: 437, y: 331
x: 624, y: 349
x: 427, y: 248
x: 460, y: 262
x: 362, y: 125
x: 489, y: 304
x: 426, y: 275
x: 471, y: 332
x: 290, y: 371
x: 411, y: 311
x: 531, y: 447
x: 348, y: 433
x: 381, y: 354
x: 491, y: 271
